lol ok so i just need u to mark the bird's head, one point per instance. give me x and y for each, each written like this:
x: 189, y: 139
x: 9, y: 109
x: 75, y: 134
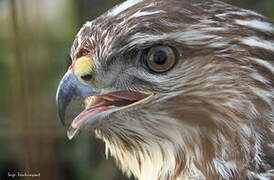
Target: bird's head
x: 126, y: 66
x: 160, y: 74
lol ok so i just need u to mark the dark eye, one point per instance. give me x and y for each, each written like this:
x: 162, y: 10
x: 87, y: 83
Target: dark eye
x: 159, y: 59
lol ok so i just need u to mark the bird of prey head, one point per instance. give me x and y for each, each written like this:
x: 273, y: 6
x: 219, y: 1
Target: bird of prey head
x: 177, y: 89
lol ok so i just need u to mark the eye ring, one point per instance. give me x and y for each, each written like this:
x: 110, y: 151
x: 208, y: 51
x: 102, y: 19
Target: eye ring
x: 159, y: 59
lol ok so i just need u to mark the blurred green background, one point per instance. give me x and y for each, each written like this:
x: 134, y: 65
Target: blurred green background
x: 35, y: 37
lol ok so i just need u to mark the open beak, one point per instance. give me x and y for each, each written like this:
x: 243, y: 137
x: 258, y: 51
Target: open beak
x: 69, y: 89
x: 98, y: 103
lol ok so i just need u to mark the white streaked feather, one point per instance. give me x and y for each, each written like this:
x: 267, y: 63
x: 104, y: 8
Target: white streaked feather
x: 127, y: 4
x: 263, y: 63
x: 145, y: 13
x: 225, y: 168
x: 261, y: 43
x: 151, y: 5
x: 257, y: 24
x: 242, y: 12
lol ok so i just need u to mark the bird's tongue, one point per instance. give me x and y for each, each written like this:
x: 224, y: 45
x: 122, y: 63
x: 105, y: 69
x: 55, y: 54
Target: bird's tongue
x: 79, y: 120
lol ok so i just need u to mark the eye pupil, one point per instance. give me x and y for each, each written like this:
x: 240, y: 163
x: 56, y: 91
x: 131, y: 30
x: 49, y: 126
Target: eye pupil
x: 160, y: 57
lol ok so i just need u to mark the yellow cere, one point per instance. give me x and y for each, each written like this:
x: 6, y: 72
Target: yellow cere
x: 83, y: 66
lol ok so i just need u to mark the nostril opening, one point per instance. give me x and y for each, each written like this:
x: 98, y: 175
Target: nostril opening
x: 86, y: 77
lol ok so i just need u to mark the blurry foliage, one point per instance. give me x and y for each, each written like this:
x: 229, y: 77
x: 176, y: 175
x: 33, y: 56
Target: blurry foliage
x: 35, y: 37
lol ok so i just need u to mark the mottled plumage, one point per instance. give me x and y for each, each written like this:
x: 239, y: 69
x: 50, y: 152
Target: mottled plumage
x: 211, y: 116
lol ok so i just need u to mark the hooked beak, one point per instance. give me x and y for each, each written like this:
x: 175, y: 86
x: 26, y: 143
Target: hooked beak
x: 69, y: 89
x: 73, y: 85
